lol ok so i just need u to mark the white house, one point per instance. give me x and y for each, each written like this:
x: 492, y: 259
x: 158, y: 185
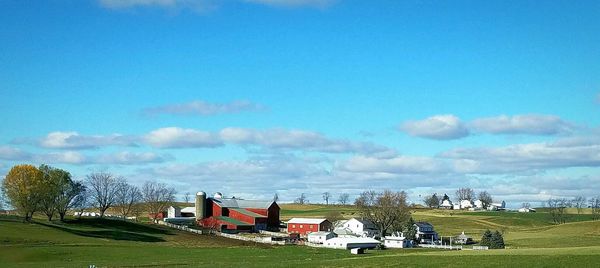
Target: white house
x: 526, y: 210
x: 396, y: 240
x: 478, y: 204
x: 466, y: 204
x: 349, y: 243
x: 363, y: 228
x: 425, y: 233
x: 446, y: 203
x: 320, y: 237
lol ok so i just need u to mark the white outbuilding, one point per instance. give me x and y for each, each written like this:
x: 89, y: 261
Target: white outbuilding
x: 396, y: 240
x: 350, y: 243
x: 320, y: 237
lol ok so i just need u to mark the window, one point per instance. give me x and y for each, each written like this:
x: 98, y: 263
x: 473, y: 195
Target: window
x: 301, y: 226
x: 293, y: 226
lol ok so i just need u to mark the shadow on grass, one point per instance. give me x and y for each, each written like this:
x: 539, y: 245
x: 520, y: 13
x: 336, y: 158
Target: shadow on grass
x: 112, y: 229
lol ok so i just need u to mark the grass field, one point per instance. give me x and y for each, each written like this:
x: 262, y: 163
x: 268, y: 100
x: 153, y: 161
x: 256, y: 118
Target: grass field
x: 531, y: 239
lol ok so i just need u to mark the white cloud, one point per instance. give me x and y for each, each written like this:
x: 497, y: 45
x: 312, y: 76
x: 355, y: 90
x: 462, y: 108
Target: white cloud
x: 439, y: 127
x: 295, y: 3
x: 522, y: 124
x: 66, y: 157
x: 11, y: 153
x: 396, y: 165
x: 204, y: 108
x: 175, y: 137
x: 73, y: 140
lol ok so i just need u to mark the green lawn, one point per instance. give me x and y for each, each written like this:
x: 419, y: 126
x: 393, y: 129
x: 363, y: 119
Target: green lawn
x: 532, y: 241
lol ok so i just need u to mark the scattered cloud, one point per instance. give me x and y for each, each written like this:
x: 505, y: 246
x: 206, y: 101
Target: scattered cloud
x: 13, y: 154
x: 175, y: 137
x: 438, y: 127
x: 73, y: 140
x: 203, y: 108
x: 522, y: 124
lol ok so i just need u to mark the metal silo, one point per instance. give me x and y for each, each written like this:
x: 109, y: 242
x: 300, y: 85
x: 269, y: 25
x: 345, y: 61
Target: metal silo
x: 200, y: 205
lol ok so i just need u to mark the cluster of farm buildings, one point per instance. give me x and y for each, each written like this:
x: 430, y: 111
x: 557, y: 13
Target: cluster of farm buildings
x: 234, y: 215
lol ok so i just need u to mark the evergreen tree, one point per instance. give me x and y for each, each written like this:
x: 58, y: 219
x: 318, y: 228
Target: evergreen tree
x: 497, y: 241
x: 486, y: 239
x: 409, y: 230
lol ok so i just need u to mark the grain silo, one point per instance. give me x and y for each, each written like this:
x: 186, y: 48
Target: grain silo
x: 200, y: 205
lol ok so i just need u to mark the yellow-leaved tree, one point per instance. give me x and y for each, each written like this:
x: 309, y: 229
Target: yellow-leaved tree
x: 23, y: 187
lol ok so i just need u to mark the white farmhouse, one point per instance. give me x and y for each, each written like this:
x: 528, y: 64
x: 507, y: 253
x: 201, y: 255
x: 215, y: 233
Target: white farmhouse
x: 362, y: 228
x: 446, y: 203
x: 320, y: 237
x: 466, y: 204
x: 350, y: 243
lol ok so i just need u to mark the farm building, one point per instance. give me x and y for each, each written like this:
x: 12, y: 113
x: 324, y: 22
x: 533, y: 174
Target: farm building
x: 497, y: 206
x: 396, y: 240
x: 304, y: 226
x: 446, y: 202
x: 526, y: 210
x: 463, y: 239
x: 320, y: 237
x: 350, y: 243
x: 425, y: 232
x: 230, y: 214
x: 361, y: 227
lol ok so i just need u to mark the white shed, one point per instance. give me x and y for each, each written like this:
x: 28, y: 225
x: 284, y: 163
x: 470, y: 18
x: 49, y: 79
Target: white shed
x: 349, y: 243
x: 396, y: 241
x: 173, y: 212
x: 320, y: 237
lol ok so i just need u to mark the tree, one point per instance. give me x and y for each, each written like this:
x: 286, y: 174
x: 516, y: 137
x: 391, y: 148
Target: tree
x: 301, y: 199
x: 486, y: 239
x: 186, y: 197
x: 334, y: 216
x: 525, y: 205
x: 432, y: 201
x: 497, y: 241
x: 157, y: 197
x: 103, y: 190
x: 465, y: 194
x: 595, y: 205
x: 127, y: 196
x: 557, y: 209
x: 485, y: 198
x: 275, y: 197
x: 385, y: 209
x: 82, y: 201
x: 22, y: 186
x: 579, y: 203
x: 326, y: 196
x: 410, y: 230
x: 343, y: 199
x: 58, y: 191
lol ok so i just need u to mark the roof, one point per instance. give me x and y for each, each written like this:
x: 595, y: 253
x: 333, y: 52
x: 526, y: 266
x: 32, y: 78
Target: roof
x: 241, y: 203
x: 350, y: 240
x: 248, y: 213
x: 423, y: 224
x: 319, y: 233
x: 306, y: 220
x: 189, y: 209
x: 233, y: 221
x: 367, y: 223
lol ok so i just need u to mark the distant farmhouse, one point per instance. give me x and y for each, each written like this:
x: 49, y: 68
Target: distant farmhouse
x: 469, y: 205
x: 228, y: 214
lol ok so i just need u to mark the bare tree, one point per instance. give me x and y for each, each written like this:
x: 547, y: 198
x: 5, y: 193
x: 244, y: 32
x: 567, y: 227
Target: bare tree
x: 82, y: 201
x: 385, y: 209
x: 157, y: 197
x: 579, y: 202
x: 301, y: 199
x: 343, y: 200
x: 127, y: 197
x: 525, y: 205
x: 595, y: 205
x: 485, y: 198
x: 186, y: 197
x: 103, y: 188
x: 465, y: 194
x: 557, y: 209
x: 326, y: 196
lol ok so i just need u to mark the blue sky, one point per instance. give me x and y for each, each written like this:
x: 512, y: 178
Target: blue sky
x: 255, y: 97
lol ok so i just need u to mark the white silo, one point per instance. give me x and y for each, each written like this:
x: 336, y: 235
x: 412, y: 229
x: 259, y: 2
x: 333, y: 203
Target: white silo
x: 200, y: 205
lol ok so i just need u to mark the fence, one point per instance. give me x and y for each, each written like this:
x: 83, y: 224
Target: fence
x: 181, y: 227
x: 480, y: 248
x: 440, y: 246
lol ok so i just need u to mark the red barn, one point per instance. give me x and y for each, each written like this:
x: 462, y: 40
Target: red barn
x: 304, y: 226
x: 240, y: 215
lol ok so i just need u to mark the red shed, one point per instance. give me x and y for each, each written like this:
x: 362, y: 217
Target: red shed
x: 304, y: 226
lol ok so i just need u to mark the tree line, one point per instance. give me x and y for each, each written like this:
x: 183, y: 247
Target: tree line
x: 557, y: 207
x: 51, y: 191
